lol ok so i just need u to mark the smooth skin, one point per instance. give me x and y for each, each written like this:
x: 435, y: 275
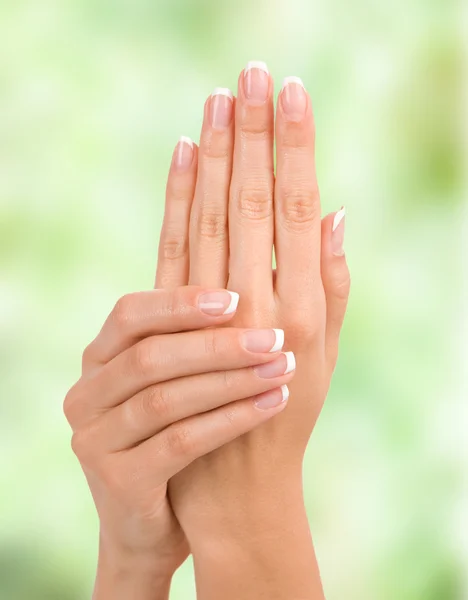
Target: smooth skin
x: 169, y: 415
x: 241, y: 507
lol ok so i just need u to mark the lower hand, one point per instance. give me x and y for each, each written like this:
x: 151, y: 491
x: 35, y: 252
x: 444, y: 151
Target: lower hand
x: 160, y: 388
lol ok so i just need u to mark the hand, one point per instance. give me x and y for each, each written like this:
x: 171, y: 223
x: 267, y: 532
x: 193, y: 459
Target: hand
x: 224, y: 213
x: 158, y: 390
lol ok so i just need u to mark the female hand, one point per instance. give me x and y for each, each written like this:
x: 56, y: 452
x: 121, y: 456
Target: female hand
x: 225, y: 212
x: 159, y: 389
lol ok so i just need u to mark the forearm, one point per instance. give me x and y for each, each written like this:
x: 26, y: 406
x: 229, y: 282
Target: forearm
x: 122, y: 577
x: 262, y: 549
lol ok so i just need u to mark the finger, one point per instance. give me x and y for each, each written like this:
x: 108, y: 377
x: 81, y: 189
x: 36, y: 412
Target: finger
x: 251, y: 192
x: 173, y: 256
x: 164, y: 357
x: 155, y: 312
x: 297, y: 203
x: 208, y: 223
x: 164, y: 455
x: 336, y: 279
x: 158, y: 406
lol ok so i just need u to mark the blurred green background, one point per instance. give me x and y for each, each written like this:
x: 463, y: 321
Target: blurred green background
x: 93, y: 97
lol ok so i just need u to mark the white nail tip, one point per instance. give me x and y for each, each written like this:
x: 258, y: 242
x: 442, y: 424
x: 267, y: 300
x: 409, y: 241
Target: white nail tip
x: 279, y: 343
x: 257, y: 64
x: 292, y: 79
x: 233, y: 304
x: 285, y: 392
x: 186, y: 140
x: 290, y: 362
x: 340, y: 215
x: 222, y: 92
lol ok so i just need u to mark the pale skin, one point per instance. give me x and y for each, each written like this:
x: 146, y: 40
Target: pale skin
x: 181, y: 417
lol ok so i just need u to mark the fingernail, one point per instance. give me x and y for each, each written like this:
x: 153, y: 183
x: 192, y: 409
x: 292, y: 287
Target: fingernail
x: 256, y: 81
x: 294, y: 98
x: 263, y: 340
x: 272, y: 398
x: 280, y: 366
x: 221, y: 108
x: 218, y: 303
x: 338, y: 230
x: 184, y: 153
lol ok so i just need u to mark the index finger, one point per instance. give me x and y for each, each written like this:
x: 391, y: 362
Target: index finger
x: 156, y: 312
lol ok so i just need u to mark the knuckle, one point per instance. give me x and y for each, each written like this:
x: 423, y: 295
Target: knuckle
x: 165, y: 276
x: 213, y: 225
x: 174, y: 247
x: 156, y: 403
x: 216, y: 147
x: 255, y: 202
x: 144, y: 356
x: 342, y: 285
x: 180, y: 439
x: 229, y: 380
x: 255, y: 125
x: 297, y: 139
x: 230, y: 414
x: 175, y: 303
x: 300, y: 206
x: 88, y: 355
x: 67, y: 405
x: 70, y: 401
x: 123, y: 310
x: 304, y: 326
x: 80, y: 446
x: 178, y: 192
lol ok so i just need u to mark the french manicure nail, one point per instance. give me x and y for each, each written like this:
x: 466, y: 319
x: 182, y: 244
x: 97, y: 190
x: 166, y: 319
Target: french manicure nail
x: 272, y: 398
x: 338, y: 230
x: 184, y: 153
x: 221, y: 108
x: 263, y: 340
x: 256, y: 81
x: 280, y: 366
x: 294, y: 98
x: 218, y: 303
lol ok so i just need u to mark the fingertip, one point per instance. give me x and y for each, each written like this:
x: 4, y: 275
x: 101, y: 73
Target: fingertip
x: 334, y: 267
x: 218, y: 303
x: 231, y: 309
x: 333, y: 231
x: 339, y: 216
x: 272, y: 400
x: 183, y: 155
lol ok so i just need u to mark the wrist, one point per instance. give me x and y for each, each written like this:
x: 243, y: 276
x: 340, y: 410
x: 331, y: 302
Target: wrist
x: 123, y: 574
x: 262, y: 549
x: 270, y: 507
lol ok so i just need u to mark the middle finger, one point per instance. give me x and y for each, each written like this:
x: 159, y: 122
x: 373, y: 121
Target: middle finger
x: 251, y: 192
x: 166, y: 357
